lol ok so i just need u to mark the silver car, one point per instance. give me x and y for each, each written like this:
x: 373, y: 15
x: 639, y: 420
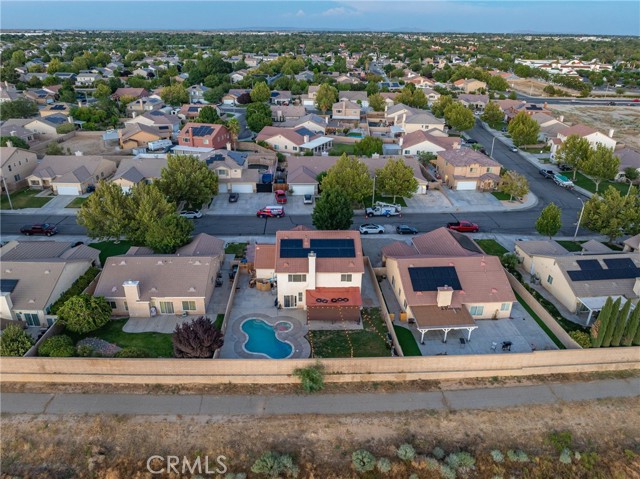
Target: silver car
x: 308, y: 199
x: 370, y: 228
x: 191, y: 215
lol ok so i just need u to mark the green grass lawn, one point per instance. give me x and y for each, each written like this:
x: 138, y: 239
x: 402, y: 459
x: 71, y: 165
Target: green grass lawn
x: 76, y: 202
x: 340, y: 148
x: 491, y: 247
x: 501, y: 196
x: 537, y: 150
x: 407, y: 341
x: 109, y: 248
x: 386, y: 199
x: 541, y: 323
x: 367, y: 343
x: 158, y: 344
x: 239, y: 249
x: 219, y: 320
x: 24, y: 199
x: 587, y: 183
x: 572, y: 246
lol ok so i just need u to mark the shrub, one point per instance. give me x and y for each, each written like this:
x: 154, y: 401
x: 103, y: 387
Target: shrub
x: 461, y: 460
x: 274, y: 465
x: 84, y: 351
x: 311, y: 377
x: 583, y: 339
x: 560, y: 440
x: 432, y: 464
x: 414, y: 476
x: 384, y: 465
x: 15, y: 341
x: 237, y: 475
x: 65, y: 128
x: 406, y: 452
x: 363, y: 461
x: 446, y: 472
x: 78, y: 286
x: 565, y: 456
x: 196, y: 339
x: 517, y: 456
x: 509, y: 261
x: 497, y: 456
x: 438, y: 453
x: 57, y: 347
x: 132, y: 352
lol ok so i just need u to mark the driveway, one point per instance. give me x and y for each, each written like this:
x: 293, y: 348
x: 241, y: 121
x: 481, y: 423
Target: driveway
x: 250, y: 203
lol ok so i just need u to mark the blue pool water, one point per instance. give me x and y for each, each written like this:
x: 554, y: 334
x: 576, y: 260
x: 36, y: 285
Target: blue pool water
x: 262, y: 339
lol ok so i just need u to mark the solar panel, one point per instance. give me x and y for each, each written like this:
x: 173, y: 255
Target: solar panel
x: 8, y: 285
x: 619, y: 263
x: 58, y: 107
x: 431, y: 278
x: 604, y: 274
x: 202, y: 131
x: 589, y: 264
x: 304, y: 131
x: 323, y: 248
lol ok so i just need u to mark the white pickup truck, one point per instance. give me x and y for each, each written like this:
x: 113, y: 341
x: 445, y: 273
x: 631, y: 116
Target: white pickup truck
x: 382, y: 211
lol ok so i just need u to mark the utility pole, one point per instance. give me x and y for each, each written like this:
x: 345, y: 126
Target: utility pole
x: 373, y: 196
x: 579, y: 219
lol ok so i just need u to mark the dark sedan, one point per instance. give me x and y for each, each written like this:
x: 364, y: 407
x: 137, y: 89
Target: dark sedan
x: 406, y: 230
x: 233, y: 197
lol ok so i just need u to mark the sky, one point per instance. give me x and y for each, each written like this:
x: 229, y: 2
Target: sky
x: 515, y: 16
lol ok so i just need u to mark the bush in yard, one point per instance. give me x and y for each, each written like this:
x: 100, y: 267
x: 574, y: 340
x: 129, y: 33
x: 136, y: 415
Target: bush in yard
x: 14, y: 341
x: 85, y: 351
x: 438, y: 453
x: 65, y: 128
x: 446, y: 472
x: 196, y: 339
x: 461, y: 460
x: 406, y: 452
x: 76, y: 288
x: 274, y: 465
x: 383, y: 465
x: 497, y: 456
x: 84, y: 313
x: 363, y: 461
x: 583, y: 339
x: 132, y: 352
x: 509, y: 261
x: 57, y: 347
x: 517, y: 456
x: 311, y: 377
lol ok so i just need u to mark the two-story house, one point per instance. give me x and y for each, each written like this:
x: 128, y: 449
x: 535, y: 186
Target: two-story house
x: 17, y: 165
x: 135, y: 93
x: 204, y: 135
x: 234, y: 176
x: 196, y: 93
x: 345, y: 110
x: 87, y: 79
x: 143, y: 105
x: 466, y: 169
x: 420, y: 141
x: 593, y: 136
x: 160, y: 120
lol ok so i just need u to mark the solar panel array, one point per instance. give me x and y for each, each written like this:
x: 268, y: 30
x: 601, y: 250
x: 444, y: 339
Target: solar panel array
x: 323, y: 248
x: 619, y: 263
x: 201, y: 130
x: 8, y: 285
x: 58, y: 107
x: 604, y: 274
x: 304, y: 131
x: 432, y: 278
x: 589, y: 264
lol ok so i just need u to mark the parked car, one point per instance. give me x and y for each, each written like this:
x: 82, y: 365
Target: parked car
x: 563, y: 181
x: 471, y: 141
x: 233, y: 197
x: 406, y: 230
x: 564, y: 167
x: 308, y: 199
x: 464, y: 226
x: 546, y: 173
x: 382, y: 211
x: 281, y: 197
x: 371, y: 228
x: 612, y: 103
x: 39, y: 229
x: 514, y: 149
x: 191, y: 215
x: 271, y: 212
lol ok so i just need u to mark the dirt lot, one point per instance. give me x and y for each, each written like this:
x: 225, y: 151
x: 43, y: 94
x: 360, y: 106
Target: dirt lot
x: 109, y: 447
x: 535, y: 87
x: 625, y: 120
x: 89, y: 143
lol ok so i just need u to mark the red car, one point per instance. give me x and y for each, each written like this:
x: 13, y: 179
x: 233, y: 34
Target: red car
x: 464, y: 226
x: 281, y: 197
x: 39, y: 229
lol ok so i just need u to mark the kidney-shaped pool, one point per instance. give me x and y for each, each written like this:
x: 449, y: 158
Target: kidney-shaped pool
x: 261, y: 338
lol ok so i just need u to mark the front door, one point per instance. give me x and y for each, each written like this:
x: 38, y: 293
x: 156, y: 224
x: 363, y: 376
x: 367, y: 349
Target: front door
x: 32, y: 319
x: 290, y: 301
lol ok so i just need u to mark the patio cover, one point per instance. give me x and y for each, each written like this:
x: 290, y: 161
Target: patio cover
x: 432, y: 317
x: 596, y: 303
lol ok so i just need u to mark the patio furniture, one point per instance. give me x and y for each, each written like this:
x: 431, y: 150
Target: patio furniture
x: 506, y: 345
x: 463, y: 342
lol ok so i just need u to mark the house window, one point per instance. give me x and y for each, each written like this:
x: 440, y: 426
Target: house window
x: 102, y: 174
x: 297, y: 278
x: 393, y: 280
x: 488, y: 170
x: 295, y: 148
x: 126, y: 306
x: 286, y: 147
x: 166, y: 307
x: 405, y: 304
x: 550, y: 279
x: 188, y: 305
x: 186, y: 140
x: 32, y: 319
x: 471, y: 170
x: 16, y: 177
x: 406, y: 152
x: 300, y: 297
x: 222, y: 172
x: 346, y: 278
x: 113, y: 304
x: 476, y: 310
x: 206, y: 142
x: 504, y: 307
x: 9, y: 167
x: 290, y: 300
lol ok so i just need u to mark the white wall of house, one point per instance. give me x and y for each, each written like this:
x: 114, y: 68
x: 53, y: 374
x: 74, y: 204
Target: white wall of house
x: 323, y: 280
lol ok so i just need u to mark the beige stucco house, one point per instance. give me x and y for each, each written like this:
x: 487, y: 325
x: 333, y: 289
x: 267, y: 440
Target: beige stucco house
x: 433, y: 141
x: 345, y: 110
x: 296, y: 141
x: 139, y: 135
x: 17, y: 165
x: 466, y: 169
x: 142, y: 168
x: 593, y: 136
x: 470, y: 85
x: 70, y: 175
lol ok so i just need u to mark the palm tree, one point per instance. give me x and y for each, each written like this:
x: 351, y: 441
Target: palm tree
x: 233, y: 125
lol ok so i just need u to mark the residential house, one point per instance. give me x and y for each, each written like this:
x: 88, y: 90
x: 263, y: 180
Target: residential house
x: 160, y: 120
x: 431, y: 95
x: 549, y: 126
x: 146, y: 73
x: 629, y: 158
x: 190, y: 112
x: 196, y: 93
x: 440, y: 291
x: 311, y: 122
x: 280, y: 98
x: 582, y: 282
x: 62, y: 76
x: 135, y: 93
x: 593, y: 136
x: 467, y: 169
x: 389, y: 98
x: 347, y: 80
x: 305, y: 76
x: 470, y: 85
x: 143, y: 105
x: 297, y: 140
x: 36, y: 273
x: 47, y: 126
x: 139, y: 135
x: 40, y: 96
x: 474, y: 101
x: 142, y: 168
x: 238, y: 76
x: 345, y: 110
x: 17, y: 164
x: 8, y: 92
x: 231, y: 98
x: 204, y: 135
x: 280, y: 113
x: 317, y: 271
x: 70, y: 175
x: 420, y: 141
x: 358, y: 97
x: 15, y: 127
x: 234, y: 176
x: 55, y: 109
x: 408, y: 119
x: 309, y: 99
x: 87, y: 79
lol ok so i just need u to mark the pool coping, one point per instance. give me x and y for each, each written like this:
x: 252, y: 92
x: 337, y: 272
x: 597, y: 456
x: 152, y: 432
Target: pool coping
x: 295, y: 336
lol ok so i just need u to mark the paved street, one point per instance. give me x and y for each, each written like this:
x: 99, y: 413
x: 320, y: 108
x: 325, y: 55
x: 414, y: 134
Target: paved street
x: 232, y: 405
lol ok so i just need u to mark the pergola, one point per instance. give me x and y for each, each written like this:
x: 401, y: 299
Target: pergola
x: 595, y: 304
x: 434, y: 318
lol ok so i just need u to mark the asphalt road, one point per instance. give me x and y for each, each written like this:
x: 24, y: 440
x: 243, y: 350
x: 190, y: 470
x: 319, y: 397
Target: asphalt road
x: 579, y: 101
x: 252, y: 405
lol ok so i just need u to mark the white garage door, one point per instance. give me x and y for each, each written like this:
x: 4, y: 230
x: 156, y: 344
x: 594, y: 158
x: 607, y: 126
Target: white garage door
x: 68, y: 190
x: 241, y: 188
x: 303, y: 189
x: 466, y: 185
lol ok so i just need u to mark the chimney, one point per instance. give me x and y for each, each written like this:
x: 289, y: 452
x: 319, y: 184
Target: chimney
x: 306, y: 138
x: 228, y: 146
x: 404, y: 117
x: 131, y: 291
x: 326, y: 120
x: 561, y: 119
x: 311, y: 278
x: 78, y: 153
x: 80, y: 103
x: 545, y: 105
x: 445, y: 295
x: 611, y: 133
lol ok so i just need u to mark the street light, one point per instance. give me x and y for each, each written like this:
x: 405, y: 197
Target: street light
x: 579, y: 219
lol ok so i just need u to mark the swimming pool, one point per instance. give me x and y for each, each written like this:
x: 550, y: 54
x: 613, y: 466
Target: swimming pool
x: 355, y: 134
x: 261, y: 339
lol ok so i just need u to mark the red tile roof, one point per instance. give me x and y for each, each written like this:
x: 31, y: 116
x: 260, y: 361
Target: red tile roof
x: 334, y: 297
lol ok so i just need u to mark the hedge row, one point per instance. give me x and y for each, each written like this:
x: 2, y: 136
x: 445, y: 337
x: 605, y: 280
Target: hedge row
x: 76, y: 288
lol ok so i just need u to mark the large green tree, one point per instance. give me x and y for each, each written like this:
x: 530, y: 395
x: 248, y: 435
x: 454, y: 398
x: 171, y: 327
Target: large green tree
x: 633, y: 326
x: 332, y: 211
x: 459, y: 116
x: 326, y: 96
x: 573, y: 152
x: 440, y: 105
x: 513, y: 184
x: 368, y: 146
x: 16, y: 141
x: 412, y: 97
x: 611, y: 325
x: 260, y: 93
x: 175, y: 94
x: 234, y: 127
x: 396, y: 178
x: 19, y: 108
x: 351, y: 176
x: 105, y: 214
x: 549, y: 222
x: 208, y: 114
x: 524, y: 130
x: 168, y: 234
x: 492, y: 114
x: 84, y: 313
x: 613, y: 214
x: 187, y: 178
x: 14, y: 341
x: 601, y: 325
x: 377, y: 102
x: 258, y: 116
x: 601, y: 164
x: 621, y: 323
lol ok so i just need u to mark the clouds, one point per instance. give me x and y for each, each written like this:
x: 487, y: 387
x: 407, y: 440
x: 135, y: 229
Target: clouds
x: 300, y: 13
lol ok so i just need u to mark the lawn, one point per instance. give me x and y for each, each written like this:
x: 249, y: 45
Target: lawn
x: 110, y: 248
x: 157, y: 344
x: 541, y: 323
x: 340, y: 148
x: 219, y: 320
x: 367, y: 343
x: 530, y: 149
x: 587, y: 183
x: 239, y: 249
x: 501, y: 196
x: 491, y: 247
x: 24, y: 199
x: 407, y: 341
x: 572, y: 246
x: 76, y: 203
x: 386, y: 199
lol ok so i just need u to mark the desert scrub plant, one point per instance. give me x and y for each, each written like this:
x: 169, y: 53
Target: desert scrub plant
x: 432, y: 464
x: 559, y: 440
x: 517, y: 456
x: 497, y: 456
x: 565, y: 456
x: 446, y: 472
x: 438, y: 453
x: 414, y: 476
x: 363, y: 461
x: 384, y: 465
x: 406, y: 452
x: 274, y: 465
x: 85, y: 351
x: 311, y: 377
x: 461, y: 460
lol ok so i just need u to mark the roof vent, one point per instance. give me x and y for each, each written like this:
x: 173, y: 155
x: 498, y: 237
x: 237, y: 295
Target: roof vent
x: 192, y: 289
x: 47, y: 271
x: 114, y: 289
x: 31, y: 301
x: 154, y: 290
x: 494, y: 290
x: 7, y: 270
x: 160, y: 262
x: 197, y: 263
x: 123, y: 262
